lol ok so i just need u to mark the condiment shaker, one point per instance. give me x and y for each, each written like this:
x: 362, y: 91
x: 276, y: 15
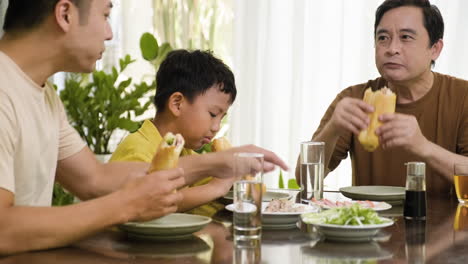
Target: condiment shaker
x: 415, y: 199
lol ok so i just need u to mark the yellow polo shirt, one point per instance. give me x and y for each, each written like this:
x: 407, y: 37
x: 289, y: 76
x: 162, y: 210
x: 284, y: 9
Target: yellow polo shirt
x: 142, y: 146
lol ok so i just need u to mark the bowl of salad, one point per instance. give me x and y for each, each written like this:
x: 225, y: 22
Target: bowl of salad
x: 348, y: 224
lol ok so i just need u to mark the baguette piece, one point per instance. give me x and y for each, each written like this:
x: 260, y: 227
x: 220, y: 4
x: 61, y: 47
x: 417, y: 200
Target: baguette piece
x: 220, y: 144
x: 384, y: 101
x: 168, y: 153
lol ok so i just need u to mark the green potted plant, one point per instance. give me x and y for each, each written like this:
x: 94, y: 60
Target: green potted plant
x: 98, y: 104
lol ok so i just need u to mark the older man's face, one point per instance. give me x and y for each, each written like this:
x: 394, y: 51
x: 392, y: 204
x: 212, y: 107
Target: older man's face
x: 402, y: 46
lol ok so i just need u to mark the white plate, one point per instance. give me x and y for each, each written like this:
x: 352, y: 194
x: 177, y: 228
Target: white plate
x: 348, y: 233
x: 267, y: 196
x: 280, y: 220
x: 378, y: 206
x: 170, y: 227
x: 390, y: 194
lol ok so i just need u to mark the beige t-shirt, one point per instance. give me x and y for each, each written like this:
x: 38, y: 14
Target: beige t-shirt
x: 34, y: 135
x: 442, y: 115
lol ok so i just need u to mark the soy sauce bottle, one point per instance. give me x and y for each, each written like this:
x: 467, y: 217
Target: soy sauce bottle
x: 415, y: 199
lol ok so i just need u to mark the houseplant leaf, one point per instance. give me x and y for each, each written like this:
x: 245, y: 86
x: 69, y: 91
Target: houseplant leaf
x: 149, y: 46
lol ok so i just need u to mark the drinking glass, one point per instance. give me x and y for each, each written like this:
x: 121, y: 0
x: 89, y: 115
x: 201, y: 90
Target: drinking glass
x: 461, y: 218
x: 250, y: 254
x: 312, y: 170
x: 248, y: 190
x: 460, y: 178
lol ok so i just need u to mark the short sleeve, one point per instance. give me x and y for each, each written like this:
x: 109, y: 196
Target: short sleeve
x: 70, y: 141
x: 8, y: 141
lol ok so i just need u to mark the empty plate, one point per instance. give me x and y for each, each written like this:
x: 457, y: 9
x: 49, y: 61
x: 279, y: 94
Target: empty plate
x: 390, y: 194
x: 170, y: 227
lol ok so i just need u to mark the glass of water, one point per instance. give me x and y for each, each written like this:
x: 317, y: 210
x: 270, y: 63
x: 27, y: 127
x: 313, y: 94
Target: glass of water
x: 248, y: 191
x: 312, y: 170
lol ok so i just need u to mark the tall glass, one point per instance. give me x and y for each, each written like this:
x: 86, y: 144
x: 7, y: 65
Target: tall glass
x: 248, y: 192
x: 312, y: 170
x: 251, y: 254
x: 461, y: 218
x: 460, y: 178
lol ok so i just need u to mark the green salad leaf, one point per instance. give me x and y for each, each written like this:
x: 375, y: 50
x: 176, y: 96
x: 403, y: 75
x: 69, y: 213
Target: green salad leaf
x: 354, y: 215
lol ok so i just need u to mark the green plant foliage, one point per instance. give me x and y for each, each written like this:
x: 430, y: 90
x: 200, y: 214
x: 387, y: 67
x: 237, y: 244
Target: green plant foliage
x: 280, y: 180
x: 98, y: 104
x: 61, y: 197
x: 149, y: 46
x: 292, y: 184
x: 151, y: 51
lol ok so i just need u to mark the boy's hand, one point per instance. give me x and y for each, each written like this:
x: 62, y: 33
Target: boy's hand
x: 270, y: 159
x: 224, y: 161
x: 152, y: 196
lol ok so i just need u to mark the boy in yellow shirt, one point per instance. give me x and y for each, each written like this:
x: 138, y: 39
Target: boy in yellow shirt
x: 194, y: 92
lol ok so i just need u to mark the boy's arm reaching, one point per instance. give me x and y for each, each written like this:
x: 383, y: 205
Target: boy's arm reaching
x: 203, y: 194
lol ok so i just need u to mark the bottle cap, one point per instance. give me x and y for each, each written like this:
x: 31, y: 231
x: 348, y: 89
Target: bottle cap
x: 416, y: 168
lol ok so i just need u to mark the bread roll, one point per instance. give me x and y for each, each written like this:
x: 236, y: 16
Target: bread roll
x: 384, y: 101
x: 168, y: 153
x: 220, y: 144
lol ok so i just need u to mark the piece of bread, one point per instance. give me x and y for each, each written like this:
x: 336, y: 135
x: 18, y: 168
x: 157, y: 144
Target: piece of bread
x: 384, y: 101
x: 168, y: 153
x: 220, y: 144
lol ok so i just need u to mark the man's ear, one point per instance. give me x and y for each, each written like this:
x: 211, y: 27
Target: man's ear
x: 64, y: 14
x: 437, y: 49
x: 175, y: 102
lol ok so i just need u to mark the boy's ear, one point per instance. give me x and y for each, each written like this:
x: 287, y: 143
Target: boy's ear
x: 175, y: 102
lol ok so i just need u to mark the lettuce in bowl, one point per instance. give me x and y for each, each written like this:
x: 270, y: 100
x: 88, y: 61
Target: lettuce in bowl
x: 354, y: 215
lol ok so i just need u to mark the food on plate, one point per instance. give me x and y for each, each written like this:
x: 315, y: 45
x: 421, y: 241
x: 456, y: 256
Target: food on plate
x: 168, y: 153
x: 283, y: 205
x: 220, y: 144
x: 325, y: 203
x: 384, y: 101
x: 355, y: 215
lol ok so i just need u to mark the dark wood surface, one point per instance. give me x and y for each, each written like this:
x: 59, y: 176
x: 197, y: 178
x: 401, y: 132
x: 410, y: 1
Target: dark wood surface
x: 435, y: 240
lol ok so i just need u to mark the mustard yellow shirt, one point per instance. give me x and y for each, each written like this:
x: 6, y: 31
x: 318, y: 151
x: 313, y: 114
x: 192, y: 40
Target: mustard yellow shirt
x: 142, y: 146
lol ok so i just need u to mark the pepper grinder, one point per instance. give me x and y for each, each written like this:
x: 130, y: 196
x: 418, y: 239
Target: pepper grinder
x: 415, y: 195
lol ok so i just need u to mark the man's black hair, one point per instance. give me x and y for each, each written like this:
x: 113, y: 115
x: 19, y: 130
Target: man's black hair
x: 24, y: 15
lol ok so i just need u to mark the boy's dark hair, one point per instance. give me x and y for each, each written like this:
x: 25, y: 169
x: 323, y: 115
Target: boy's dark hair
x: 433, y: 21
x: 191, y: 73
x: 24, y: 15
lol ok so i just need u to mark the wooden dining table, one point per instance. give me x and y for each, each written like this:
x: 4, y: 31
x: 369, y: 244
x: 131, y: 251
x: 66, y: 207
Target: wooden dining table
x: 441, y: 238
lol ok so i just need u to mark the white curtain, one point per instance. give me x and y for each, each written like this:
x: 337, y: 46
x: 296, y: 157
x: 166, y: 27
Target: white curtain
x: 291, y: 58
x: 3, y: 7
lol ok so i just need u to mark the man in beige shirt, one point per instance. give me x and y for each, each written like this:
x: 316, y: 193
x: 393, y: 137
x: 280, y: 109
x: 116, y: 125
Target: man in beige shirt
x: 431, y: 119
x: 38, y: 146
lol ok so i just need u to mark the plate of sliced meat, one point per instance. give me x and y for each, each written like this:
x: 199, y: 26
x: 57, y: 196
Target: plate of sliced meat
x: 327, y: 204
